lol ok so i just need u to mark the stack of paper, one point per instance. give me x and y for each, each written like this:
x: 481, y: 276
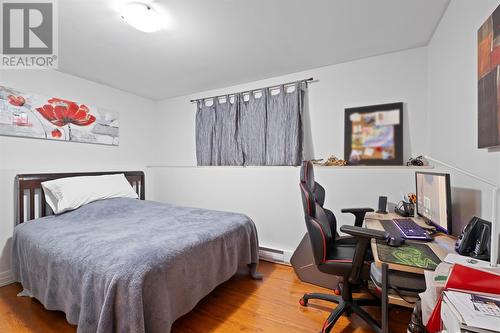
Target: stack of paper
x: 474, y: 312
x: 467, y: 280
x: 453, y: 258
x: 434, y: 281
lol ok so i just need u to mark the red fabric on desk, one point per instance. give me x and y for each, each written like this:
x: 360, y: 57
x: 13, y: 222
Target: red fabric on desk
x: 464, y: 278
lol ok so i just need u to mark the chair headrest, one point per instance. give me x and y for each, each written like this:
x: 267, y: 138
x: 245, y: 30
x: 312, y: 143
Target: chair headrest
x: 307, y: 174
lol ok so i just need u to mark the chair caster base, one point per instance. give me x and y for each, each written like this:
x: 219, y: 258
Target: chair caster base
x: 347, y: 308
x: 324, y: 297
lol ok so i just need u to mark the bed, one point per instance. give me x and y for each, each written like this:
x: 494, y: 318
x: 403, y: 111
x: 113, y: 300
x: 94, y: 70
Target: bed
x: 122, y: 264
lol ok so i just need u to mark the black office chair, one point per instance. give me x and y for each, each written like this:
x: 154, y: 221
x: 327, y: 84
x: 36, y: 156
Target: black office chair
x: 336, y: 256
x: 318, y: 194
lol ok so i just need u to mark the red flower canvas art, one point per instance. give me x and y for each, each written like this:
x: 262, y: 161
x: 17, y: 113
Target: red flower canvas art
x: 56, y: 133
x: 61, y: 112
x: 16, y: 100
x: 30, y: 115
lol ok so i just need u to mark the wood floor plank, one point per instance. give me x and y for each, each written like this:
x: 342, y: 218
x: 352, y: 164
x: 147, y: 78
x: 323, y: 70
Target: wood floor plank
x: 239, y: 305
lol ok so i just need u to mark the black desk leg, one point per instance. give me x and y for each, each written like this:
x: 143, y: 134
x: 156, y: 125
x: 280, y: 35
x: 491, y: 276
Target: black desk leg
x: 385, y: 298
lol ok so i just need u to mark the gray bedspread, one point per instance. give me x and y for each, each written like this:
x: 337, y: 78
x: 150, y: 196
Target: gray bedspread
x: 124, y: 265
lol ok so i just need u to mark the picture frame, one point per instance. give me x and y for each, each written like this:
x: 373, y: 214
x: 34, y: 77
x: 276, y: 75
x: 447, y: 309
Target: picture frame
x: 488, y: 88
x: 28, y: 115
x: 374, y: 135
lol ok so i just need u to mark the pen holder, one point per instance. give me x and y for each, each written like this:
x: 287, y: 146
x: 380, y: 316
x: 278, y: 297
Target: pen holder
x: 405, y: 209
x: 409, y: 208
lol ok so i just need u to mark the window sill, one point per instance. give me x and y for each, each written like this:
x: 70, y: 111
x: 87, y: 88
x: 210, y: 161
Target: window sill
x: 363, y: 167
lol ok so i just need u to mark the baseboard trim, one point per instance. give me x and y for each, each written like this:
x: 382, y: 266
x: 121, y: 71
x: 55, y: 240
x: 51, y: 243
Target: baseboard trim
x: 6, y: 278
x: 275, y: 256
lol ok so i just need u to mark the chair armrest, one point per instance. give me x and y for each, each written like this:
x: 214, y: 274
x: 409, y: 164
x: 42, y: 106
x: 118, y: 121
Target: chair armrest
x: 356, y: 210
x: 359, y: 214
x: 360, y: 232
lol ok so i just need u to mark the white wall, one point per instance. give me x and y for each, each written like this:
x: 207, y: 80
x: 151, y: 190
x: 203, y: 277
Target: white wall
x: 22, y: 155
x: 395, y: 77
x: 452, y: 58
x: 270, y: 195
x: 452, y: 88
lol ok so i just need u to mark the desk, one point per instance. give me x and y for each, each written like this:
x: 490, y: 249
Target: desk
x: 441, y: 246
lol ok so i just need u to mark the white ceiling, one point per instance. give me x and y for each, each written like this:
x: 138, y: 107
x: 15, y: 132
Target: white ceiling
x: 218, y: 43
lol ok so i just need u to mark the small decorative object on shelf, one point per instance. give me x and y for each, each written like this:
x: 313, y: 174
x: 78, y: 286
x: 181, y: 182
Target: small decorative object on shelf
x: 417, y: 161
x: 331, y: 161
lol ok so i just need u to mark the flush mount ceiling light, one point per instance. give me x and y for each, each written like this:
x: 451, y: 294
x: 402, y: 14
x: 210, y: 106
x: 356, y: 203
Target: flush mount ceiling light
x: 143, y: 17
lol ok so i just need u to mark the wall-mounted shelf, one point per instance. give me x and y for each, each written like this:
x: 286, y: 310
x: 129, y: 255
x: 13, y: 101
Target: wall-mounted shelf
x: 375, y: 167
x: 351, y: 167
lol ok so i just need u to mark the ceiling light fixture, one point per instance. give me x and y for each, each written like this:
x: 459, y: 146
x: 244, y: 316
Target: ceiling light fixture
x: 143, y: 17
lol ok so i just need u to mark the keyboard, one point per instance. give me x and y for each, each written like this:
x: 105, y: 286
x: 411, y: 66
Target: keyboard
x: 410, y: 230
x: 405, y: 228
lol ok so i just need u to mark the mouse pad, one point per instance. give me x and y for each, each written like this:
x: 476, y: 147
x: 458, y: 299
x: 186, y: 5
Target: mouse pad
x: 415, y: 255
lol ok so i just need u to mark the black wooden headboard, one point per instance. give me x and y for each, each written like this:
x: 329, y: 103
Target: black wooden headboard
x: 27, y: 185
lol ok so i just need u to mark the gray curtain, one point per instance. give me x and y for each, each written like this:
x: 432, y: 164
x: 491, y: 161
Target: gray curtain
x: 276, y: 128
x: 252, y: 128
x: 284, y: 126
x: 294, y: 109
x: 205, y: 133
x: 226, y: 148
x: 265, y: 130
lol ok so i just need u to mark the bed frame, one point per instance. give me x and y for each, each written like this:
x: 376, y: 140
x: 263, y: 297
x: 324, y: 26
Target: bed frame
x: 29, y: 189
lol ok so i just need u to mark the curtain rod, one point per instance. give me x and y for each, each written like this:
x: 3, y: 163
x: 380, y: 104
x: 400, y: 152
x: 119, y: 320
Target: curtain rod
x: 247, y: 91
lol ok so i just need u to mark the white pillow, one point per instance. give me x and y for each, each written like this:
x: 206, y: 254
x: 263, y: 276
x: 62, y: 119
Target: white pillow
x: 70, y: 193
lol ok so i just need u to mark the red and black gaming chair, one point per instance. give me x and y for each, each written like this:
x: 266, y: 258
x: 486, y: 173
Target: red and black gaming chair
x: 334, y: 255
x: 318, y: 195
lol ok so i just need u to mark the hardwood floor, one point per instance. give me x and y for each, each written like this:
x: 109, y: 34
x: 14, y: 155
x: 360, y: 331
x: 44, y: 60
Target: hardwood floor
x: 239, y: 305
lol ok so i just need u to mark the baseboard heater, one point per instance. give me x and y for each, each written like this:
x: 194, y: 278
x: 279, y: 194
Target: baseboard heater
x: 275, y: 256
x: 6, y: 278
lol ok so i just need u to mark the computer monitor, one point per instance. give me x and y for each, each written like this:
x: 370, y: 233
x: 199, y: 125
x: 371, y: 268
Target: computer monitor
x: 434, y: 199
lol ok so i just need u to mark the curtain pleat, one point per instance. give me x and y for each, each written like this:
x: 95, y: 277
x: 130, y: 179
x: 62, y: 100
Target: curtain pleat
x: 276, y: 128
x: 293, y: 109
x: 205, y: 128
x: 227, y: 148
x: 252, y: 129
x: 265, y: 130
x: 284, y: 126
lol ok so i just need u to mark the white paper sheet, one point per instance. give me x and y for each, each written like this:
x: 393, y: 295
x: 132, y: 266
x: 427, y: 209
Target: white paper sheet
x: 453, y: 258
x: 463, y: 304
x: 387, y: 118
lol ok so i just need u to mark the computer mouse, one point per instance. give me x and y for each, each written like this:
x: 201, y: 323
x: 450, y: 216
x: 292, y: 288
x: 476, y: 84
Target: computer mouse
x: 395, y: 241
